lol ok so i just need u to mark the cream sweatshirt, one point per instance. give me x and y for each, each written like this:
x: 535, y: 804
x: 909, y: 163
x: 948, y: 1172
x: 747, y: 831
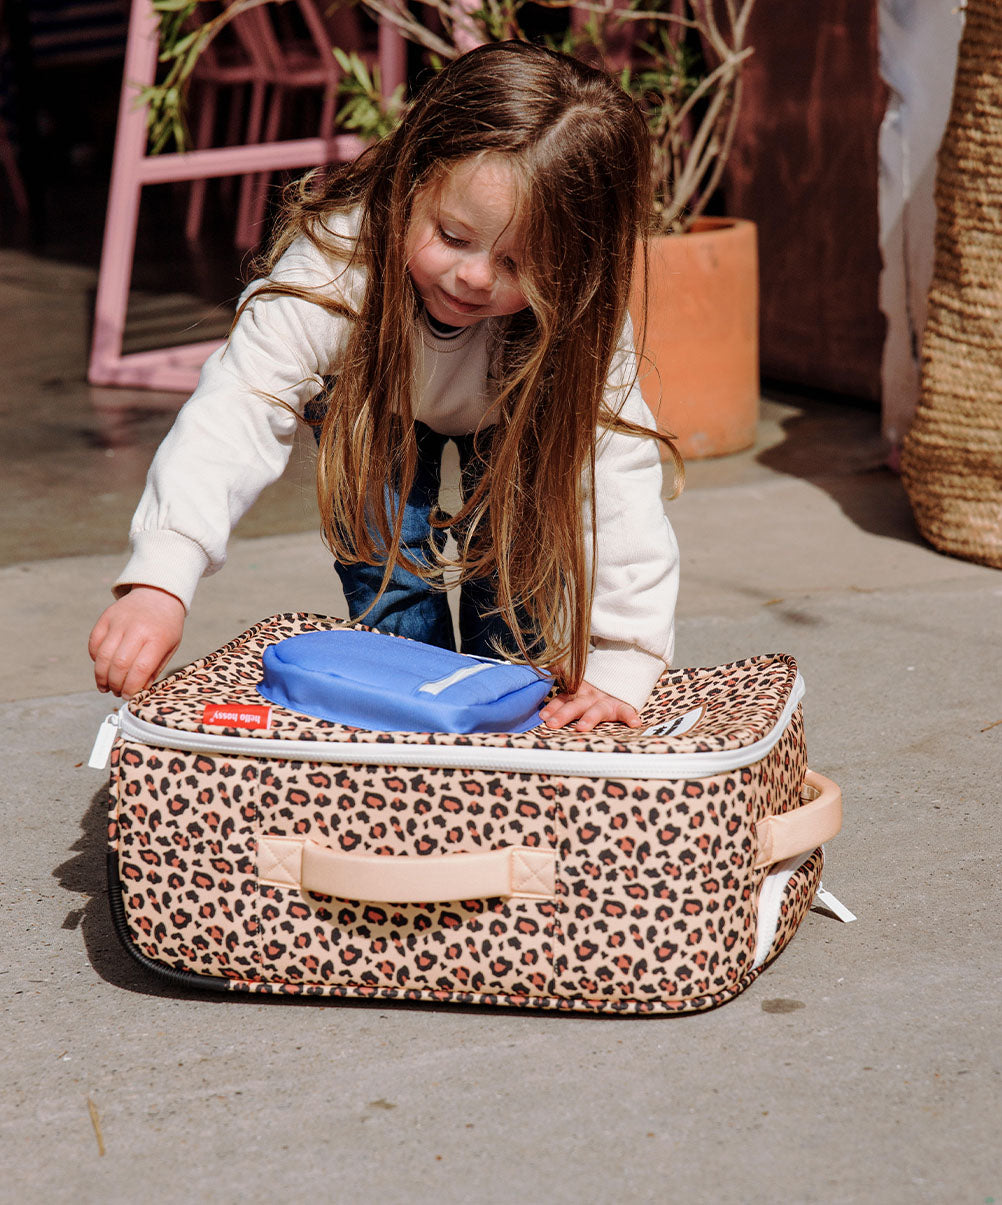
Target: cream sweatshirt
x: 229, y: 442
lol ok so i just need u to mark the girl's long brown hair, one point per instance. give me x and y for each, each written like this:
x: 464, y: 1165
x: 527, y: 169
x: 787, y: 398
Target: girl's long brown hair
x: 580, y: 154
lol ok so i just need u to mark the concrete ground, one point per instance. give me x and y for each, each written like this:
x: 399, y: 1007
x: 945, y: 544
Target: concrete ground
x: 864, y: 1066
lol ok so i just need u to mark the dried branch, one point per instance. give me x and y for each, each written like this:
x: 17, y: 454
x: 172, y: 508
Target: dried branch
x: 686, y: 77
x: 399, y: 16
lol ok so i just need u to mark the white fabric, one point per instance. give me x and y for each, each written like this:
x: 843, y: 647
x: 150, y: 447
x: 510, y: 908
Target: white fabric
x: 230, y: 441
x: 918, y: 61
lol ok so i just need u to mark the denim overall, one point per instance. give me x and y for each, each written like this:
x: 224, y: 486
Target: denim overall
x: 409, y: 606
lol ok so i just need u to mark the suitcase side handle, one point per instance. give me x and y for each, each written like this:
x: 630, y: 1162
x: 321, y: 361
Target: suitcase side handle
x: 816, y: 821
x: 514, y: 872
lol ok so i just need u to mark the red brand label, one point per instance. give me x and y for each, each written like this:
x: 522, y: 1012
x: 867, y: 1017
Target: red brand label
x: 237, y: 715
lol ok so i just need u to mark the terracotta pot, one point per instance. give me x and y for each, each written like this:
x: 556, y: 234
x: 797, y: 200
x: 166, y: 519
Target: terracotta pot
x: 700, y: 374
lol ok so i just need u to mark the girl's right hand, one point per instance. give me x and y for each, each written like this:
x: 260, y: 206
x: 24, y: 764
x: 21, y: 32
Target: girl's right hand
x: 134, y: 639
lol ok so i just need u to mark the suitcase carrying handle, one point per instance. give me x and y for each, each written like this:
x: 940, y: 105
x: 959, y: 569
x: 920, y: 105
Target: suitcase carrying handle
x: 816, y: 821
x: 514, y: 872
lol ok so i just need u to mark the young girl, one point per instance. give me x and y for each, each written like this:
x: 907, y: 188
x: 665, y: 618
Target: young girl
x: 466, y: 278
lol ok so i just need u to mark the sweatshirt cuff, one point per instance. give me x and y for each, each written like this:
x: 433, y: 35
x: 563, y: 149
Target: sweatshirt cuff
x: 164, y: 559
x: 624, y: 671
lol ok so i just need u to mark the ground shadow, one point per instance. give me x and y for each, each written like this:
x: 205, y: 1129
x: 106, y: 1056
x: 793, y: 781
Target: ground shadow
x: 836, y: 444
x: 85, y: 874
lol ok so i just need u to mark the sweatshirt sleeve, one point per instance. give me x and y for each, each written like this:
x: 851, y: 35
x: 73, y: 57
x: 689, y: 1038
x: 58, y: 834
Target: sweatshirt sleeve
x: 234, y: 435
x: 636, y: 554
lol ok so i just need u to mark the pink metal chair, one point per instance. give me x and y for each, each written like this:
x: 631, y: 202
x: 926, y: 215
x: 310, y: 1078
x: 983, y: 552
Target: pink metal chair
x: 15, y: 181
x: 273, y: 51
x: 8, y: 155
x: 465, y: 31
x: 300, y: 43
x: 177, y: 368
x: 240, y: 69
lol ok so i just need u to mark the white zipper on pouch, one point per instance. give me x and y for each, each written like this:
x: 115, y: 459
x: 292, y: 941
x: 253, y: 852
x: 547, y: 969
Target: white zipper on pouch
x: 582, y: 763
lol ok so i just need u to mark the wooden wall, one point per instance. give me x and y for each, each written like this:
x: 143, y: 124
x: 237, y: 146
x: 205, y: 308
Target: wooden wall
x: 804, y: 169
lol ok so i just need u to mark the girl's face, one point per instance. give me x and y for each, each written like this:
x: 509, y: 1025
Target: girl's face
x: 463, y: 248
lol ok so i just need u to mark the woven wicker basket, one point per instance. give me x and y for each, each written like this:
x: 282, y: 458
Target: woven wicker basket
x: 951, y: 459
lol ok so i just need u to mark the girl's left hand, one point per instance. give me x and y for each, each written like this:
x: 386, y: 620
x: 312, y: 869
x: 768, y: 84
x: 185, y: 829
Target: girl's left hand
x: 588, y: 706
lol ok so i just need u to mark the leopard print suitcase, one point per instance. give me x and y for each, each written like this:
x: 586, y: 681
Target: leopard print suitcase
x: 625, y: 871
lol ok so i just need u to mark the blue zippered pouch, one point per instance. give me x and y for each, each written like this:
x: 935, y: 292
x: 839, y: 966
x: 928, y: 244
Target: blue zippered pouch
x: 389, y: 684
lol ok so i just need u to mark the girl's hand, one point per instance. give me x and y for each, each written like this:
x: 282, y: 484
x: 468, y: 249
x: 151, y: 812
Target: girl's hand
x: 134, y: 639
x: 588, y: 706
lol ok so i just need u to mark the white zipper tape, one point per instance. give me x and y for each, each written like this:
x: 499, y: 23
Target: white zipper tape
x: 681, y: 724
x: 467, y: 671
x: 103, y: 742
x: 469, y: 757
x: 834, y: 905
x: 770, y: 900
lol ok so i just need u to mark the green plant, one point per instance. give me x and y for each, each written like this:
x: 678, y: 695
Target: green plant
x: 690, y: 93
x: 366, y: 110
x: 681, y: 59
x: 180, y: 47
x: 183, y: 39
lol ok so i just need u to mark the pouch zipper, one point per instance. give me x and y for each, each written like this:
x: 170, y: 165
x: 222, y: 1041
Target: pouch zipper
x: 471, y: 757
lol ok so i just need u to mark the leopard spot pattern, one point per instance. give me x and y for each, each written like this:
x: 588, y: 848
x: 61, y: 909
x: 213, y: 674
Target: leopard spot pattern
x: 656, y: 896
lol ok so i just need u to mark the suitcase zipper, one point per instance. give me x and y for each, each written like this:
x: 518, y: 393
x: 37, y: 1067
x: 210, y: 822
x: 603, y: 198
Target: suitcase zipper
x: 770, y: 901
x: 470, y: 757
x: 103, y: 742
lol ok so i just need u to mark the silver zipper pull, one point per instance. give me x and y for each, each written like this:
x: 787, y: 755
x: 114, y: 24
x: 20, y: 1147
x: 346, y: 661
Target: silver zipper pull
x: 825, y: 898
x: 103, y: 742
